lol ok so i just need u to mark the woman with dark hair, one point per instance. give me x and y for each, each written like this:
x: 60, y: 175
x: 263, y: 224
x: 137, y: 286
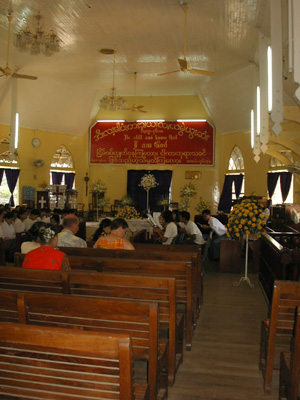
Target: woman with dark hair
x: 47, y: 256
x: 170, y: 232
x: 34, y: 242
x: 103, y: 230
x: 115, y: 240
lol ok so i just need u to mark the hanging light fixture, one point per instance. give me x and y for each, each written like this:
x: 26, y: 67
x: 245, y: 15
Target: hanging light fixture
x: 37, y: 41
x: 112, y: 102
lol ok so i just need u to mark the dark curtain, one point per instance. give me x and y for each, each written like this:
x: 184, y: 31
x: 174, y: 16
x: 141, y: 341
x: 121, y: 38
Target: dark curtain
x: 1, y: 174
x: 57, y: 177
x: 69, y: 179
x: 272, y: 182
x: 12, y: 176
x: 139, y: 195
x: 238, y: 182
x: 226, y: 196
x: 285, y: 184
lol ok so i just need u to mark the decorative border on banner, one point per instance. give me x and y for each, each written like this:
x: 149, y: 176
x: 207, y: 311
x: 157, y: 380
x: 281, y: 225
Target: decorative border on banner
x: 165, y: 143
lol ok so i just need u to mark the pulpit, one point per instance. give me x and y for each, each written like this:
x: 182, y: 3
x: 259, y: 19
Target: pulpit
x: 42, y: 199
x: 57, y: 196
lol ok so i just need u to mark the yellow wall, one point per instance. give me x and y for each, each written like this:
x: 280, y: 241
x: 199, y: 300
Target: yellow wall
x: 210, y: 184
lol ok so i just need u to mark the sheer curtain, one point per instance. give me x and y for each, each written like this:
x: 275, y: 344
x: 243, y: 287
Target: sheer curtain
x: 12, y: 176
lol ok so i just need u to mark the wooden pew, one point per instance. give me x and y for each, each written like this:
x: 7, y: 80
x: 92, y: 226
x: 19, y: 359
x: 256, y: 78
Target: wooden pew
x: 139, y: 320
x: 43, y: 362
x: 81, y: 263
x: 286, y: 297
x: 2, y: 253
x: 290, y: 366
x: 151, y: 289
x: 145, y: 288
x: 187, y: 291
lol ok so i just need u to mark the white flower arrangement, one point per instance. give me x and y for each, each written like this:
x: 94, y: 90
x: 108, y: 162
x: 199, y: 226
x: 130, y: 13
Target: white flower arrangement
x: 104, y: 202
x: 184, y: 204
x: 188, y: 190
x: 164, y: 201
x: 148, y: 182
x: 48, y: 234
x: 98, y: 187
x: 126, y: 201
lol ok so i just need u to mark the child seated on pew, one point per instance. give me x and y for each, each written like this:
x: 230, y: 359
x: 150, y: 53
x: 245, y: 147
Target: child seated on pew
x: 47, y: 256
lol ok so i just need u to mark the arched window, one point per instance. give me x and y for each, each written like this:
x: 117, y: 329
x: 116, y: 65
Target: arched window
x: 7, y: 164
x: 62, y: 168
x: 234, y: 184
x: 277, y: 173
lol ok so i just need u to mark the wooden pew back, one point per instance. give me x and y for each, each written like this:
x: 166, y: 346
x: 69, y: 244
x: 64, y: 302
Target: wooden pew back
x: 286, y: 297
x: 290, y: 366
x: 42, y: 363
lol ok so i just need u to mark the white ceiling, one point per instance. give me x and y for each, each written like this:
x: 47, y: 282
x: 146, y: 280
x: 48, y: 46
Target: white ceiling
x: 148, y: 36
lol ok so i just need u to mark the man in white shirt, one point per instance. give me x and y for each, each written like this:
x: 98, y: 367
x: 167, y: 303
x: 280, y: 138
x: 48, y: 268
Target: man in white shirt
x: 19, y: 223
x: 219, y: 232
x: 190, y: 229
x: 170, y: 232
x: 31, y: 219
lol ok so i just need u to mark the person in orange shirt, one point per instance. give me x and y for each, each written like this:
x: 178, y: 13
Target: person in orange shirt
x: 115, y: 240
x: 46, y: 256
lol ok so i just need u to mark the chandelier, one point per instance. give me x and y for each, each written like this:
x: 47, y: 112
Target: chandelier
x: 37, y: 41
x: 112, y: 102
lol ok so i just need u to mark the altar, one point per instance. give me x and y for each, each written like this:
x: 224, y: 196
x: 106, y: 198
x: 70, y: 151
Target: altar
x: 134, y: 225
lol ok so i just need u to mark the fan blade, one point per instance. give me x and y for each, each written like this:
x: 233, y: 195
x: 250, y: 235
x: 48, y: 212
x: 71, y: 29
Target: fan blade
x: 15, y: 75
x: 144, y: 111
x: 167, y: 73
x: 200, y: 72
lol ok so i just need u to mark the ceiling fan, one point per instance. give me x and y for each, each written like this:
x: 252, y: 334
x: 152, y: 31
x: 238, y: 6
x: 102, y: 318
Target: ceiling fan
x: 295, y: 168
x: 184, y: 66
x: 135, y: 108
x: 7, y: 71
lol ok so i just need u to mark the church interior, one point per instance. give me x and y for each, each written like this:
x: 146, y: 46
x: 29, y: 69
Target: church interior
x: 195, y: 93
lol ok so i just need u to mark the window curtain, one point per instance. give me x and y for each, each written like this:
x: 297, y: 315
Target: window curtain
x: 226, y: 196
x: 272, y: 182
x: 57, y: 177
x: 139, y: 195
x: 12, y: 176
x: 69, y: 179
x: 1, y: 174
x: 285, y: 184
x: 238, y: 182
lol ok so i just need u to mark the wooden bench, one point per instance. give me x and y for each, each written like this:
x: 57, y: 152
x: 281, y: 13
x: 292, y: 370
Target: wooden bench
x: 145, y: 288
x: 182, y: 270
x: 139, y: 320
x: 290, y: 366
x: 2, y: 253
x: 152, y: 289
x: 55, y: 363
x: 81, y: 263
x: 277, y: 337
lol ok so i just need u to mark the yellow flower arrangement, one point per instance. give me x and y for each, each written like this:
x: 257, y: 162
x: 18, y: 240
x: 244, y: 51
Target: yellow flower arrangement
x: 129, y: 212
x: 202, y: 205
x: 247, y: 217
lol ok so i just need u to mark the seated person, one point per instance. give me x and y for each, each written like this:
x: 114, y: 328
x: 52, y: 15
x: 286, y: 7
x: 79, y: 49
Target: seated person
x: 115, y: 240
x: 19, y: 223
x: 218, y: 233
x: 55, y: 219
x: 31, y: 219
x: 47, y: 256
x: 191, y: 230
x: 8, y: 234
x: 103, y: 230
x: 170, y: 232
x: 67, y: 238
x: 34, y: 242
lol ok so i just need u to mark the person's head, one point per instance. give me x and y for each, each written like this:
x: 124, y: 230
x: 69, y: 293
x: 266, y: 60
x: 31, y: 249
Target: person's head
x: 167, y: 216
x: 43, y: 212
x: 105, y: 226
x: 176, y: 215
x: 185, y: 217
x: 9, y: 218
x: 71, y: 222
x: 17, y: 208
x: 206, y: 214
x: 47, y: 235
x: 2, y: 213
x: 22, y: 215
x: 48, y: 212
x: 34, y: 214
x: 119, y: 227
x: 55, y: 219
x: 34, y: 230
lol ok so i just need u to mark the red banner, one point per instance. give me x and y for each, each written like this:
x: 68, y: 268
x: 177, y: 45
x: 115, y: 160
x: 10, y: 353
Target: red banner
x: 167, y: 143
